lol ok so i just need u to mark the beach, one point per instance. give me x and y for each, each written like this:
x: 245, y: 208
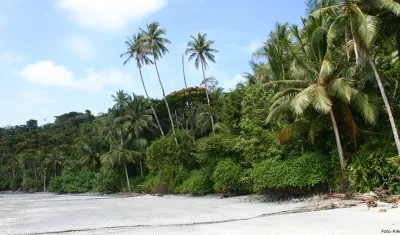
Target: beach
x: 43, y: 213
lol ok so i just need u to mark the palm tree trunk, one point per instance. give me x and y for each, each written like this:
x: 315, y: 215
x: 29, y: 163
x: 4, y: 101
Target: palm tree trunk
x: 208, y: 99
x: 337, y: 136
x: 151, y: 103
x: 387, y: 105
x: 187, y: 97
x: 127, y: 178
x: 44, y: 182
x: 141, y: 168
x: 166, y: 103
x: 347, y: 39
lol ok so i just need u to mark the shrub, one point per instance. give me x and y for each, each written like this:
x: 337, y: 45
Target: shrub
x: 198, y: 183
x: 107, y: 180
x: 4, y: 185
x: 373, y: 166
x: 171, y: 163
x: 73, y: 180
x: 29, y: 183
x: 227, y: 176
x: 213, y: 148
x: 306, y: 170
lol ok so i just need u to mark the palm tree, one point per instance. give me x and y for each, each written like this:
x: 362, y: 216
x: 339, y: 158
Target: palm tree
x: 119, y: 153
x: 138, y: 115
x: 324, y: 85
x: 137, y: 50
x: 363, y: 29
x: 155, y: 44
x: 120, y: 99
x: 200, y: 49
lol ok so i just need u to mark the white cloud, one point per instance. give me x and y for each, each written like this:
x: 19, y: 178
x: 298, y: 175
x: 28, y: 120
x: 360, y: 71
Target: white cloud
x: 48, y: 74
x: 37, y: 97
x: 11, y: 56
x: 81, y: 46
x: 231, y: 83
x: 253, y: 46
x: 107, y: 15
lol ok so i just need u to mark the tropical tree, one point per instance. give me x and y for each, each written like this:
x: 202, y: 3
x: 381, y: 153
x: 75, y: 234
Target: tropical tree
x: 360, y: 31
x: 200, y: 49
x: 120, y: 99
x: 154, y: 42
x: 137, y: 116
x: 136, y: 50
x: 120, y: 153
x: 326, y: 84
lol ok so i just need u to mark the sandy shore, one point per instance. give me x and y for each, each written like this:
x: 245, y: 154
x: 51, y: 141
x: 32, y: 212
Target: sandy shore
x: 78, y: 214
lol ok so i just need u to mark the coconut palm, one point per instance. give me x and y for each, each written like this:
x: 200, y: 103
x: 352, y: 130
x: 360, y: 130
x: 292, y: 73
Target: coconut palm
x: 120, y: 152
x: 359, y: 30
x: 200, y: 49
x: 154, y: 42
x: 324, y: 87
x: 120, y: 99
x: 137, y: 116
x: 136, y: 50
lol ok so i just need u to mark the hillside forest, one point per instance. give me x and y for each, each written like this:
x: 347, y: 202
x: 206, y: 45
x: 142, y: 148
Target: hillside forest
x: 319, y: 111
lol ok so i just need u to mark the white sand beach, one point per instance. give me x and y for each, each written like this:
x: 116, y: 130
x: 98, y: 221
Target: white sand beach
x: 80, y: 214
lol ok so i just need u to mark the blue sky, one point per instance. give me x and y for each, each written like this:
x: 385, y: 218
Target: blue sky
x: 58, y: 56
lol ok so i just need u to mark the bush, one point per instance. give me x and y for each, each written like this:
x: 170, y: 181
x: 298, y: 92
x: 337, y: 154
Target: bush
x: 306, y: 170
x: 4, y: 185
x: 29, y: 183
x: 227, y: 176
x: 199, y: 183
x: 213, y: 148
x: 107, y: 180
x: 150, y: 182
x: 73, y: 180
x: 373, y: 166
x: 171, y: 163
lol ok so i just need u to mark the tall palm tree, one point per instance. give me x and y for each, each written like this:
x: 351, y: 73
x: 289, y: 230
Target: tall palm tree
x: 136, y: 50
x: 360, y: 30
x: 324, y: 85
x: 200, y: 49
x: 154, y: 42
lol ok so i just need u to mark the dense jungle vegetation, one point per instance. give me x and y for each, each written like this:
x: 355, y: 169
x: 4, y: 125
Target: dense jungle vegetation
x: 318, y: 111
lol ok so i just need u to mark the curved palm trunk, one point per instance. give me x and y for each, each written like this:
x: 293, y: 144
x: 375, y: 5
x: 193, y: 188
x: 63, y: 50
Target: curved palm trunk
x: 127, y: 178
x: 151, y: 103
x: 191, y: 116
x: 166, y: 103
x: 337, y: 136
x: 387, y: 105
x: 208, y: 99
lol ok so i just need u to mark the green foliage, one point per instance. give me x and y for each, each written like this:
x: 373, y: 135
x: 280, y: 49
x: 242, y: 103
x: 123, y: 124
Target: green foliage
x: 255, y: 107
x: 170, y: 162
x: 373, y: 167
x: 227, y: 176
x: 150, y: 182
x: 214, y: 147
x: 232, y: 108
x: 4, y: 185
x: 306, y: 170
x: 198, y: 183
x: 107, y: 180
x: 73, y: 180
x: 29, y: 183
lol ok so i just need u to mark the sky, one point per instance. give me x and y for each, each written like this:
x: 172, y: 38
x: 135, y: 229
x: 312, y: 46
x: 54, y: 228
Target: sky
x: 58, y: 56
